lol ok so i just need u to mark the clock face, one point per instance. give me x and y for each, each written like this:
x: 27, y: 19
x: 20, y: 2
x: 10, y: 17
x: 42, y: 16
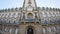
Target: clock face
x: 29, y: 8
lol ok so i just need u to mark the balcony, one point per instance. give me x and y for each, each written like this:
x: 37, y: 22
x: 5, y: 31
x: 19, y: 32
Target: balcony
x: 9, y: 22
x: 29, y: 20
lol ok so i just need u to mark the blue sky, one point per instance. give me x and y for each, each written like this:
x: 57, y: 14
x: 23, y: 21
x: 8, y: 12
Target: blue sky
x: 5, y: 4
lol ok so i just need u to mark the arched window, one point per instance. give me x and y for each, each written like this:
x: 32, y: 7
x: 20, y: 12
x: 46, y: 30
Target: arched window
x: 58, y: 27
x: 43, y: 30
x: 48, y: 14
x: 42, y: 21
x: 10, y: 30
x: 52, y: 13
x: 54, y: 28
x: 13, y: 15
x: 2, y: 15
x: 5, y: 29
x: 7, y: 20
x: 17, y: 21
x: 49, y: 29
x: 48, y: 20
x: 19, y: 14
x: 29, y: 15
x: 11, y: 21
x: 16, y: 31
x: 2, y: 20
x: 43, y: 14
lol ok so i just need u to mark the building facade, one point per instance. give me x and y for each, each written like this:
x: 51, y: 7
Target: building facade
x: 30, y: 19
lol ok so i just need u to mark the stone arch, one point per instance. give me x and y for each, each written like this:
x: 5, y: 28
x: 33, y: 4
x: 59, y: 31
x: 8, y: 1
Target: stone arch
x: 30, y: 28
x: 30, y: 15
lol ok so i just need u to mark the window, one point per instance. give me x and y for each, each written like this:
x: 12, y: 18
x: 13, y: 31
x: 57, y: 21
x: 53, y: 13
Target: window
x: 5, y: 29
x: 43, y: 13
x: 2, y: 20
x: 16, y: 31
x: 48, y: 20
x: 56, y: 14
x: 48, y: 14
x: 19, y: 14
x: 23, y: 15
x: 11, y: 21
x: 2, y: 15
x: 10, y: 15
x: 36, y: 16
x: 59, y: 13
x: 43, y: 30
x: 52, y: 20
x: 57, y: 19
x: 7, y: 20
x: 13, y: 15
x: 5, y: 15
x: 58, y: 27
x: 52, y: 14
x: 10, y: 30
x: 0, y: 28
x: 17, y: 21
x: 42, y: 21
x: 49, y: 29
x: 54, y: 28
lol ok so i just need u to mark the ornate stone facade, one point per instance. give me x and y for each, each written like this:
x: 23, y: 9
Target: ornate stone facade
x: 30, y: 19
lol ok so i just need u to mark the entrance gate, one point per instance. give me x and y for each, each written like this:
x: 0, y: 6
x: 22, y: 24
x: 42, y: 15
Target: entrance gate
x: 30, y: 31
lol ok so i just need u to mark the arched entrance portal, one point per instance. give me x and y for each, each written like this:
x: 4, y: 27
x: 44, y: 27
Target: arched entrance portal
x: 30, y: 31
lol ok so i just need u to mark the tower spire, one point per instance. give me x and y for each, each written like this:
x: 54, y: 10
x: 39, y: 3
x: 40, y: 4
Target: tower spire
x: 29, y: 3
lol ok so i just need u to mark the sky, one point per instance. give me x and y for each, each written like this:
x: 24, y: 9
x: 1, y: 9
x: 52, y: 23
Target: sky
x: 5, y: 4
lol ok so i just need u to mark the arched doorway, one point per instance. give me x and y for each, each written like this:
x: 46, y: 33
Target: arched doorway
x: 30, y: 31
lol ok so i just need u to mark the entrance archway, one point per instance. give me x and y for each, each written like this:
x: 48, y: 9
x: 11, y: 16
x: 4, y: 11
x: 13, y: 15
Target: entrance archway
x: 30, y: 31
